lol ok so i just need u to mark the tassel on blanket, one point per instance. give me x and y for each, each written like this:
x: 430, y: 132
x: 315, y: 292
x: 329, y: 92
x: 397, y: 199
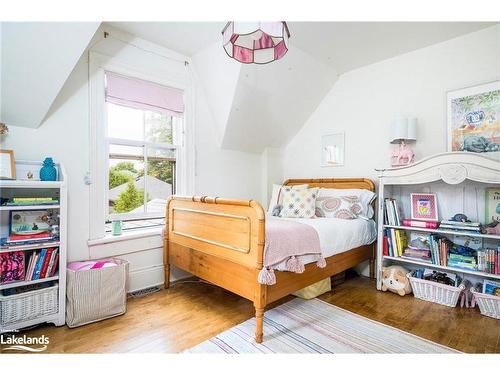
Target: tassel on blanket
x: 293, y: 264
x: 321, y: 262
x: 266, y: 276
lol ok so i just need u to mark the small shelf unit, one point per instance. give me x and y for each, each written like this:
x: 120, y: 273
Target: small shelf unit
x: 24, y: 188
x: 459, y: 180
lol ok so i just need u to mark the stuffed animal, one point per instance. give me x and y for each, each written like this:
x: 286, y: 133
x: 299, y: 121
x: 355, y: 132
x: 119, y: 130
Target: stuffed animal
x: 394, y: 279
x: 491, y: 228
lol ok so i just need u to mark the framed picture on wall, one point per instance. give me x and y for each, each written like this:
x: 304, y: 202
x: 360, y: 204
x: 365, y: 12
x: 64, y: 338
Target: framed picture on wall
x: 332, y: 150
x: 7, y: 165
x: 474, y: 119
x: 424, y: 207
x: 492, y: 205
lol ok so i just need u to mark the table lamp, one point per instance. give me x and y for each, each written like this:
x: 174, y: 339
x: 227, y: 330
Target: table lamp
x: 403, y: 130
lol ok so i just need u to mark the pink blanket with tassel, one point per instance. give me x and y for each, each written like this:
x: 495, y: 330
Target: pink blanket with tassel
x: 286, y: 240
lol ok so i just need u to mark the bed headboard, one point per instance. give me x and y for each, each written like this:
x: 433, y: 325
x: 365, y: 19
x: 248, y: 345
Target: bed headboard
x: 334, y: 183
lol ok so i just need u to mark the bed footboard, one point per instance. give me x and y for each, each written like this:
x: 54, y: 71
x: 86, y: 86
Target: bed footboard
x: 229, y: 233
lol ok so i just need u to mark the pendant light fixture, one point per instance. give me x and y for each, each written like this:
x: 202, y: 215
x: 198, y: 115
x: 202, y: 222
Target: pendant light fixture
x: 256, y: 42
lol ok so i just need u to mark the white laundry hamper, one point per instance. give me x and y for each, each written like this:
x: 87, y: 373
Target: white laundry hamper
x: 97, y: 293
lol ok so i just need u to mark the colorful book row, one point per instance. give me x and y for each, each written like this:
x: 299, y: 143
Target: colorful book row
x: 42, y: 264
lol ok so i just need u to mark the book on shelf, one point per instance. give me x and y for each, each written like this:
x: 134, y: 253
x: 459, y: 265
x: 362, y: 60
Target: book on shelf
x: 420, y: 224
x: 491, y: 287
x: 392, y: 213
x: 475, y: 243
x: 460, y: 223
x: 46, y: 261
x: 22, y: 245
x: 42, y: 264
x: 24, y: 238
x: 53, y: 270
x: 30, y: 201
x: 423, y: 255
x: 460, y: 228
x: 39, y: 264
x: 396, y: 241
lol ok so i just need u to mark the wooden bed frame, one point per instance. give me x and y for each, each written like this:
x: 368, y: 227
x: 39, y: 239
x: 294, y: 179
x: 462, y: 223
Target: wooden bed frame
x: 222, y: 241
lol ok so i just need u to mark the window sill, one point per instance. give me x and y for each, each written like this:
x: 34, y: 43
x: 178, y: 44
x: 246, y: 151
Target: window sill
x: 129, y: 235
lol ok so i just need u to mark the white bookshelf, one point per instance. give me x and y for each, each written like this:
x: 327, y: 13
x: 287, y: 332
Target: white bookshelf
x: 23, y: 187
x: 459, y: 180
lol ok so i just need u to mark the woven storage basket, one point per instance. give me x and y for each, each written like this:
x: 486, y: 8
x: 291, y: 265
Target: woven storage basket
x: 96, y: 294
x: 488, y: 304
x: 435, y: 292
x: 29, y: 305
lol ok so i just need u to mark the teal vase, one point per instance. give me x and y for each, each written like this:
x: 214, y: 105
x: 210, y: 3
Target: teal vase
x: 48, y: 172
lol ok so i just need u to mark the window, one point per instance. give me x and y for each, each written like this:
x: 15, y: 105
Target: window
x: 143, y: 136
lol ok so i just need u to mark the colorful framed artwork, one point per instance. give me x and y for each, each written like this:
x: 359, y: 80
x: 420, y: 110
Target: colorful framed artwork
x: 492, y: 205
x: 424, y: 207
x: 7, y: 165
x: 332, y: 150
x: 474, y: 119
x: 29, y: 222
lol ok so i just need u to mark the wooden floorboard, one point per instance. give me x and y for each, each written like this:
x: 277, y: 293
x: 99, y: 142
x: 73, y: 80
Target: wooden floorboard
x: 189, y: 313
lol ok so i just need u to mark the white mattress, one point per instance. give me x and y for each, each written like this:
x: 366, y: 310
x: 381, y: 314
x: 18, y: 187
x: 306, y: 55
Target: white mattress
x: 337, y: 236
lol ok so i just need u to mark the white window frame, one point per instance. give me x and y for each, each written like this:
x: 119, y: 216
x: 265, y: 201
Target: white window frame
x: 99, y: 174
x: 146, y: 147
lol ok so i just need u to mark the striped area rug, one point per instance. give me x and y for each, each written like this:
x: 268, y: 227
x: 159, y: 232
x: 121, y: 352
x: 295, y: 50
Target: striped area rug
x: 314, y: 326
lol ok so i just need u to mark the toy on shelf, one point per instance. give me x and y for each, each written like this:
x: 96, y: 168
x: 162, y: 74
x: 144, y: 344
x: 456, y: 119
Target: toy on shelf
x: 491, y: 228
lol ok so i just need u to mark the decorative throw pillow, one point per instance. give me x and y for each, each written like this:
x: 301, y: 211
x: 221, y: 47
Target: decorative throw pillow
x: 341, y: 207
x: 298, y: 203
x: 366, y: 197
x: 277, y: 197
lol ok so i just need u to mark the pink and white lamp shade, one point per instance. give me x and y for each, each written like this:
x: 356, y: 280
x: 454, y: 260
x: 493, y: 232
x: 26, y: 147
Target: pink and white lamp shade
x: 256, y: 42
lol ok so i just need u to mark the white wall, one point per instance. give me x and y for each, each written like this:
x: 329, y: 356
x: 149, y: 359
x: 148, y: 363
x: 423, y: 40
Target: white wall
x: 64, y: 135
x: 222, y: 173
x: 271, y: 172
x: 363, y: 103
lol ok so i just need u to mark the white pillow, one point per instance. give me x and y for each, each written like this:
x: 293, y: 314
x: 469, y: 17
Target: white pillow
x: 299, y: 203
x: 277, y: 198
x: 366, y: 198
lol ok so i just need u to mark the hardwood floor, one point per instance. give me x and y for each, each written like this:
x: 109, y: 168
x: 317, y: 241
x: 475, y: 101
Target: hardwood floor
x: 190, y: 312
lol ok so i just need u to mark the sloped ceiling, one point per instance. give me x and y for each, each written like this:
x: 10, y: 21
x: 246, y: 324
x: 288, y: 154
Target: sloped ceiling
x: 256, y: 107
x: 272, y: 102
x: 36, y: 60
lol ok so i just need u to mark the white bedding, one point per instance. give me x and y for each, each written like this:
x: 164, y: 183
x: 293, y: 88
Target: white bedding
x: 337, y: 236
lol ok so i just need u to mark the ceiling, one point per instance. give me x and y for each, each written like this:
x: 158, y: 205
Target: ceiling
x: 344, y: 45
x: 255, y: 107
x: 37, y: 58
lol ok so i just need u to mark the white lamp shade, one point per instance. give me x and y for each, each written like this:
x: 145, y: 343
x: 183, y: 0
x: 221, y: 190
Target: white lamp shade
x: 404, y: 128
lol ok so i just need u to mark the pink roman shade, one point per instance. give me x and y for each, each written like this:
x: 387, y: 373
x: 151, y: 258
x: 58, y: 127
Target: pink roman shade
x: 145, y: 95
